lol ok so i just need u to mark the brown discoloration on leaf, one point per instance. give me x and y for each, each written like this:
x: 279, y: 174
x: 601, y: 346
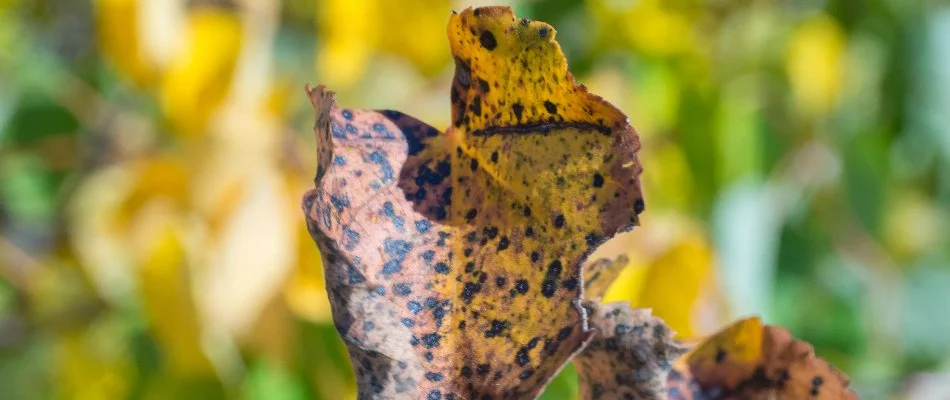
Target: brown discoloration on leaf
x: 454, y: 260
x: 630, y: 356
x: 752, y: 360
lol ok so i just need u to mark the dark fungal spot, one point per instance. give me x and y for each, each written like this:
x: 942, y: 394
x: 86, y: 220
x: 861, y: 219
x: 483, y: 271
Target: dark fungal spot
x: 592, y: 239
x: 497, y: 328
x: 494, y: 156
x: 483, y: 369
x: 559, y: 221
x: 527, y: 211
x: 463, y: 74
x: 639, y: 206
x: 473, y: 164
x: 441, y: 268
x: 783, y: 377
x: 526, y: 374
x: 549, y: 285
x: 487, y: 39
x: 423, y: 225
x: 533, y: 342
x: 529, y: 232
x: 570, y: 284
x: 517, y: 108
x: 484, y: 85
x: 550, y: 107
x: 401, y: 289
x: 470, y: 215
x: 431, y: 340
x: 477, y: 105
x: 521, y: 286
x: 490, y: 232
x: 720, y: 356
x: 522, y: 358
x: 503, y: 243
x: 466, y: 371
x: 525, y: 22
x: 500, y: 281
x: 543, y: 32
x: 816, y: 383
x: 564, y: 333
x: 535, y: 256
x: 598, y: 180
x: 467, y: 252
x: 470, y: 266
x: 434, y: 376
x: 434, y: 395
x: 469, y: 291
x: 414, y: 307
x: 348, y: 115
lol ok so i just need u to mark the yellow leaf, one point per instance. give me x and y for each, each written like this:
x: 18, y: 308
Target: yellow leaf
x: 166, y: 295
x: 117, y: 28
x: 93, y: 363
x: 815, y: 64
x: 199, y: 75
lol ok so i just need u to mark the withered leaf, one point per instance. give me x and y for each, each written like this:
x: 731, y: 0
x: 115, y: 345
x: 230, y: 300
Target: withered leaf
x: 749, y: 360
x: 630, y: 357
x: 453, y: 259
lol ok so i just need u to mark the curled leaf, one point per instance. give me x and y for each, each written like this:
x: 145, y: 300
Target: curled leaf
x: 453, y: 260
x: 631, y: 356
x: 749, y: 360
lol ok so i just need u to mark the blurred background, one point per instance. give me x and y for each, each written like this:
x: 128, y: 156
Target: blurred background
x: 152, y: 154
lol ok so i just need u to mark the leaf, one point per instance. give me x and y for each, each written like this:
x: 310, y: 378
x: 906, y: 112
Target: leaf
x: 600, y: 274
x: 630, y: 357
x: 453, y: 260
x: 752, y: 360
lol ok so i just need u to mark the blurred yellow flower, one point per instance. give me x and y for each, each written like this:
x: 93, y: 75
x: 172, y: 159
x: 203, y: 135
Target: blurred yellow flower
x: 668, y: 272
x: 815, y: 64
x: 352, y: 31
x: 190, y: 73
x: 199, y: 76
x: 168, y: 301
x: 93, y: 365
x: 117, y: 24
x: 652, y: 27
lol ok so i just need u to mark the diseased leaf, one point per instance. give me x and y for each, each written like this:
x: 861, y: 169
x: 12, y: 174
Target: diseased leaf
x: 630, y: 357
x: 752, y: 360
x: 453, y: 259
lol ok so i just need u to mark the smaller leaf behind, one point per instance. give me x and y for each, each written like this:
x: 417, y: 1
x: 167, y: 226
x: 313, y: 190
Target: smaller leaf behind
x: 749, y: 360
x: 630, y: 357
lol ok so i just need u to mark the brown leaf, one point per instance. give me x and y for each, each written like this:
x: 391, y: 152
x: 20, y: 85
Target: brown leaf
x: 630, y: 357
x: 749, y: 360
x: 453, y: 259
